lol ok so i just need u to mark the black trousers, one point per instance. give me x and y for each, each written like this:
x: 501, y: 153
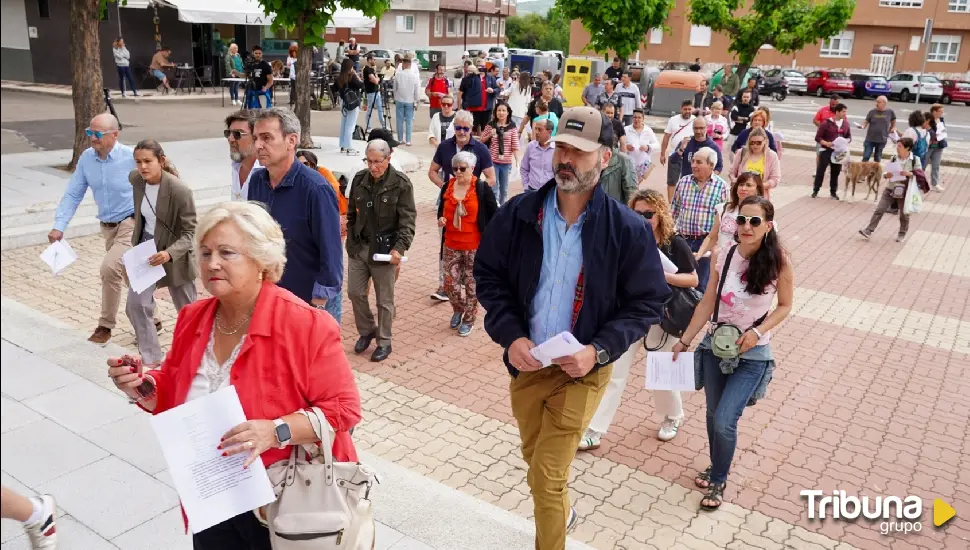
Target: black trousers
x: 243, y: 532
x: 824, y: 161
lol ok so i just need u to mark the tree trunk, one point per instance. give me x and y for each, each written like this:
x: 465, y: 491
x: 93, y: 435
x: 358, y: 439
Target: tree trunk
x: 85, y: 55
x: 304, y: 62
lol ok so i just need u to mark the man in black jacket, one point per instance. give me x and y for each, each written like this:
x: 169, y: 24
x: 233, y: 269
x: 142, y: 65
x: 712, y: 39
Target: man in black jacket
x: 566, y: 263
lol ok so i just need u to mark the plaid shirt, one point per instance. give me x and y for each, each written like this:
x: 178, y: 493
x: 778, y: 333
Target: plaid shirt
x: 694, y: 208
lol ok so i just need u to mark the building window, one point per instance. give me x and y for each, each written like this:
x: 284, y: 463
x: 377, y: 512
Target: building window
x: 439, y: 23
x: 501, y: 27
x: 901, y: 3
x: 839, y: 45
x: 44, y: 9
x: 944, y: 49
x: 330, y: 29
x: 700, y: 36
x: 656, y: 35
x: 495, y: 26
x: 405, y: 23
x: 357, y: 31
x: 914, y: 42
x: 473, y: 26
x: 961, y: 6
x: 486, y: 27
x: 453, y: 23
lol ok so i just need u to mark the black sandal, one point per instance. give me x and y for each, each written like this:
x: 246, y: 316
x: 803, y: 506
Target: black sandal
x: 716, y: 494
x: 705, y: 477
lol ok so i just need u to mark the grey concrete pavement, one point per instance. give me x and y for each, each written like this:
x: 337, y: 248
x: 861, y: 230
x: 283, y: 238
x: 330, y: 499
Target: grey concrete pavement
x: 66, y: 431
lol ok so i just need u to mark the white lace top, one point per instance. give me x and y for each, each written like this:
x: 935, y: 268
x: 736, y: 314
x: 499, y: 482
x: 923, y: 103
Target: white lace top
x: 212, y: 376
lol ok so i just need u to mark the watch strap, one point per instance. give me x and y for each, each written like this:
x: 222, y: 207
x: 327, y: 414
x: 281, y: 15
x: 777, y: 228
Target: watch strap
x: 277, y: 423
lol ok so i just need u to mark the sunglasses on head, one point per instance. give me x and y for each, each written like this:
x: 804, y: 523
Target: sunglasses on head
x: 97, y: 133
x: 755, y: 220
x: 648, y: 215
x: 463, y: 128
x: 236, y: 134
x: 460, y: 169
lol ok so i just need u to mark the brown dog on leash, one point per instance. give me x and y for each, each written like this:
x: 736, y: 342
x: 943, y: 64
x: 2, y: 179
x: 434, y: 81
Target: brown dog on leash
x: 870, y: 172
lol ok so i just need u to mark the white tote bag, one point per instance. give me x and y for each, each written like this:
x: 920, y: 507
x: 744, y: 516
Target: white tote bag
x: 914, y: 198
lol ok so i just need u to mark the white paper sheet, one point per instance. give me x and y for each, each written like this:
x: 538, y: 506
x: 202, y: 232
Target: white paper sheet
x: 896, y: 169
x: 669, y: 266
x: 59, y: 255
x: 212, y: 488
x: 141, y: 274
x: 560, y: 345
x: 663, y: 373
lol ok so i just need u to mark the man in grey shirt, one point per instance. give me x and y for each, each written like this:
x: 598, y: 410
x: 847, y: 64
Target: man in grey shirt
x: 592, y: 91
x: 878, y: 124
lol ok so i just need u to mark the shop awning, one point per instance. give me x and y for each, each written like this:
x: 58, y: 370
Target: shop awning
x: 243, y: 12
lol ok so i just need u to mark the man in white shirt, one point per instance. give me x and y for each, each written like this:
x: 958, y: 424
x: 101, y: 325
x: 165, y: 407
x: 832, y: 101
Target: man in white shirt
x: 242, y: 152
x: 630, y: 96
x: 443, y: 122
x: 407, y: 96
x: 679, y: 128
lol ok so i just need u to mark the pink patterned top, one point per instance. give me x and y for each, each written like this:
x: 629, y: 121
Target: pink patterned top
x: 737, y: 306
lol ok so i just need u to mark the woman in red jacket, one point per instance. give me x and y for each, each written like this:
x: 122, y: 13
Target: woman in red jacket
x: 279, y: 353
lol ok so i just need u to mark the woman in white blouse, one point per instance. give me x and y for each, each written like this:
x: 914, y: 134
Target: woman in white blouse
x: 641, y: 142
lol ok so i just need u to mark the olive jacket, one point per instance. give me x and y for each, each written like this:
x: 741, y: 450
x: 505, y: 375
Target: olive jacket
x: 393, y: 198
x: 174, y: 226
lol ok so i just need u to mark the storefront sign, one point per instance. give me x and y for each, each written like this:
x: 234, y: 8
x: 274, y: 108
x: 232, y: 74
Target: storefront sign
x: 884, y: 49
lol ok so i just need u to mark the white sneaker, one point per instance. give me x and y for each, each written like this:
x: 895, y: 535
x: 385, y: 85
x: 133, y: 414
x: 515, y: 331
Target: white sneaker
x: 590, y: 441
x: 43, y: 534
x: 668, y: 429
x: 939, y: 188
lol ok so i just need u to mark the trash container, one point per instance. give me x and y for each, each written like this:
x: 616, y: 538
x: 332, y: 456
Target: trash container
x: 671, y: 88
x: 435, y: 58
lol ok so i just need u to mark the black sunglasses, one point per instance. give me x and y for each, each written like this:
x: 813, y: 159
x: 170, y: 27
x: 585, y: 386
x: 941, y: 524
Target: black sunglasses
x: 460, y: 169
x: 647, y: 215
x: 755, y: 220
x: 236, y: 134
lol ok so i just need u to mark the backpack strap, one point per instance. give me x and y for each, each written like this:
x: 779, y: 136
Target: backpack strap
x: 720, y: 283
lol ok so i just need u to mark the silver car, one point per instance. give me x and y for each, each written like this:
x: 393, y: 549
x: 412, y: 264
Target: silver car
x: 905, y: 85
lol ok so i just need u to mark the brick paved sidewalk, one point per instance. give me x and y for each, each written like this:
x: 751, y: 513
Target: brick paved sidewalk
x: 868, y: 396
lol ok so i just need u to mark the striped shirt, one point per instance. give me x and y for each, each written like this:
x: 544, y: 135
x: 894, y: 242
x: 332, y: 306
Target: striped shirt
x: 694, y: 208
x: 511, y: 145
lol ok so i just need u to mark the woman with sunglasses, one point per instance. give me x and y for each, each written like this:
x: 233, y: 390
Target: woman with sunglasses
x: 467, y: 205
x: 653, y: 206
x: 758, y: 159
x: 747, y: 184
x: 502, y: 138
x: 165, y: 214
x: 739, y: 297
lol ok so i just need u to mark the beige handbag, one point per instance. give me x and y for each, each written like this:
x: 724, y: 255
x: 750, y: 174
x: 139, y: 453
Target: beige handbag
x: 321, y: 504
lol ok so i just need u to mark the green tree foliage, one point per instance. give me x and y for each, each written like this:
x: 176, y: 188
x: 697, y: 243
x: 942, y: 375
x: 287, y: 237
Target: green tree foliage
x: 786, y: 25
x: 549, y: 32
x: 308, y: 20
x: 617, y: 25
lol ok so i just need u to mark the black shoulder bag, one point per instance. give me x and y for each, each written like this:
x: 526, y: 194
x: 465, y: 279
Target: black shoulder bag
x: 383, y: 242
x: 677, y: 313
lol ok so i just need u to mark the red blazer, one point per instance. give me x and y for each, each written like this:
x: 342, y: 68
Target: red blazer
x: 292, y: 358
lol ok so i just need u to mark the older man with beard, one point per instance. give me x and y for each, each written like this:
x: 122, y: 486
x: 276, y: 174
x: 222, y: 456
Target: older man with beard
x: 242, y: 152
x: 596, y: 275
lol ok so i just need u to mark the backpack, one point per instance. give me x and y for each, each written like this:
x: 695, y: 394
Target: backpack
x: 920, y: 147
x: 358, y: 134
x: 350, y: 98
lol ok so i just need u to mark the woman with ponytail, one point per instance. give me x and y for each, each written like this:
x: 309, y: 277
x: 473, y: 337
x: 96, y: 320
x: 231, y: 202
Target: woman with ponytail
x: 164, y: 213
x: 733, y: 363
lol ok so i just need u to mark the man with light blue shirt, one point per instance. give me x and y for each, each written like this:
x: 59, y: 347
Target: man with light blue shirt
x: 104, y: 168
x: 599, y: 278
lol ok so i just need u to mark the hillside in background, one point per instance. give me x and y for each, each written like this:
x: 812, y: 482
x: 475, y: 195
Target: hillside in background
x: 540, y: 7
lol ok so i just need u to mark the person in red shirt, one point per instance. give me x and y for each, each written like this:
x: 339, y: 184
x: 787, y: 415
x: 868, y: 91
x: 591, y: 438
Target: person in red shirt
x: 279, y: 353
x: 467, y: 205
x: 438, y: 87
x: 821, y: 116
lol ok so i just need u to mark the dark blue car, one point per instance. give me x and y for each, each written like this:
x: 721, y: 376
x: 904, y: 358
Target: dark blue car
x: 869, y: 85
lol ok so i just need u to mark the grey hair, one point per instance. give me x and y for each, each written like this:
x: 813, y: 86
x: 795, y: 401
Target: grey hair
x: 465, y: 116
x: 708, y: 154
x: 548, y: 124
x: 289, y: 124
x: 378, y: 145
x: 464, y: 157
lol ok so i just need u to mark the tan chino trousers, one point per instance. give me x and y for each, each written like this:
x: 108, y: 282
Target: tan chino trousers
x: 117, y: 241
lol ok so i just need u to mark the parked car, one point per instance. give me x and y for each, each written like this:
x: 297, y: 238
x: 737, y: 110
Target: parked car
x: 381, y: 55
x: 500, y: 52
x: 869, y: 85
x: 753, y: 72
x: 905, y: 85
x: 554, y: 53
x: 676, y: 66
x: 825, y: 82
x: 955, y: 91
x: 796, y: 80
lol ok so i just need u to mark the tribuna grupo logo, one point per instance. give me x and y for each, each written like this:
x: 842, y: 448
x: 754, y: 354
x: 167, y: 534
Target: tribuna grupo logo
x: 897, y: 515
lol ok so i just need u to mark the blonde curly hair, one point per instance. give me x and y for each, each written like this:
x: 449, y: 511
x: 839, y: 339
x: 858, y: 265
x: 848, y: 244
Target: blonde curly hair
x: 658, y: 202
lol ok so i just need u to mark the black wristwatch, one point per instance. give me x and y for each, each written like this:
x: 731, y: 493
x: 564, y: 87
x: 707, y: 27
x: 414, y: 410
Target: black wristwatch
x: 602, y: 356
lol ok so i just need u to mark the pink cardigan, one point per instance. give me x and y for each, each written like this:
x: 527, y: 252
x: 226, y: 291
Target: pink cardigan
x: 772, y: 169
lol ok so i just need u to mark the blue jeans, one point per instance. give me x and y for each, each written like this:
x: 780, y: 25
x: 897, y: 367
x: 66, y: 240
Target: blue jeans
x: 727, y: 395
x: 872, y: 149
x: 124, y: 74
x: 502, y: 172
x: 703, y: 264
x: 252, y: 99
x: 375, y: 104
x: 348, y: 121
x: 405, y: 116
x: 335, y: 307
x: 234, y: 91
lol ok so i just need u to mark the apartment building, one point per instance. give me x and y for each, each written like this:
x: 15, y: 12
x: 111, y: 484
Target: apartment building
x: 451, y: 26
x: 883, y: 36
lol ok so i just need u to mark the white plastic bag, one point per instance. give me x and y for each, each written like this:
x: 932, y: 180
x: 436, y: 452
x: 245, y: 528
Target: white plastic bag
x: 913, y: 200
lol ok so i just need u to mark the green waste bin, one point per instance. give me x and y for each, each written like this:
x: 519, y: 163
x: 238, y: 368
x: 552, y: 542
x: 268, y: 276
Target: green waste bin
x: 424, y: 59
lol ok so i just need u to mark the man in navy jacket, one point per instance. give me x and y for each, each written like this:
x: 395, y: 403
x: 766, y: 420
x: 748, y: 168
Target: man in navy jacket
x: 566, y: 258
x: 695, y: 144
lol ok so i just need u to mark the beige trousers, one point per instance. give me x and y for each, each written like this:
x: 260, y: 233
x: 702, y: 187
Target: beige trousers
x: 117, y: 241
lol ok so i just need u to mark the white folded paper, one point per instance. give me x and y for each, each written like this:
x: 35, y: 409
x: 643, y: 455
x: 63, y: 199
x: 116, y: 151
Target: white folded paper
x: 563, y: 344
x: 141, y: 274
x: 59, y: 255
x: 896, y: 169
x: 212, y: 487
x: 387, y: 258
x: 668, y: 265
x: 663, y: 373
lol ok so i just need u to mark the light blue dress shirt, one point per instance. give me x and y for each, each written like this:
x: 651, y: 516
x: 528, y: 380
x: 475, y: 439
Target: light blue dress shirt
x: 562, y: 261
x: 108, y: 180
